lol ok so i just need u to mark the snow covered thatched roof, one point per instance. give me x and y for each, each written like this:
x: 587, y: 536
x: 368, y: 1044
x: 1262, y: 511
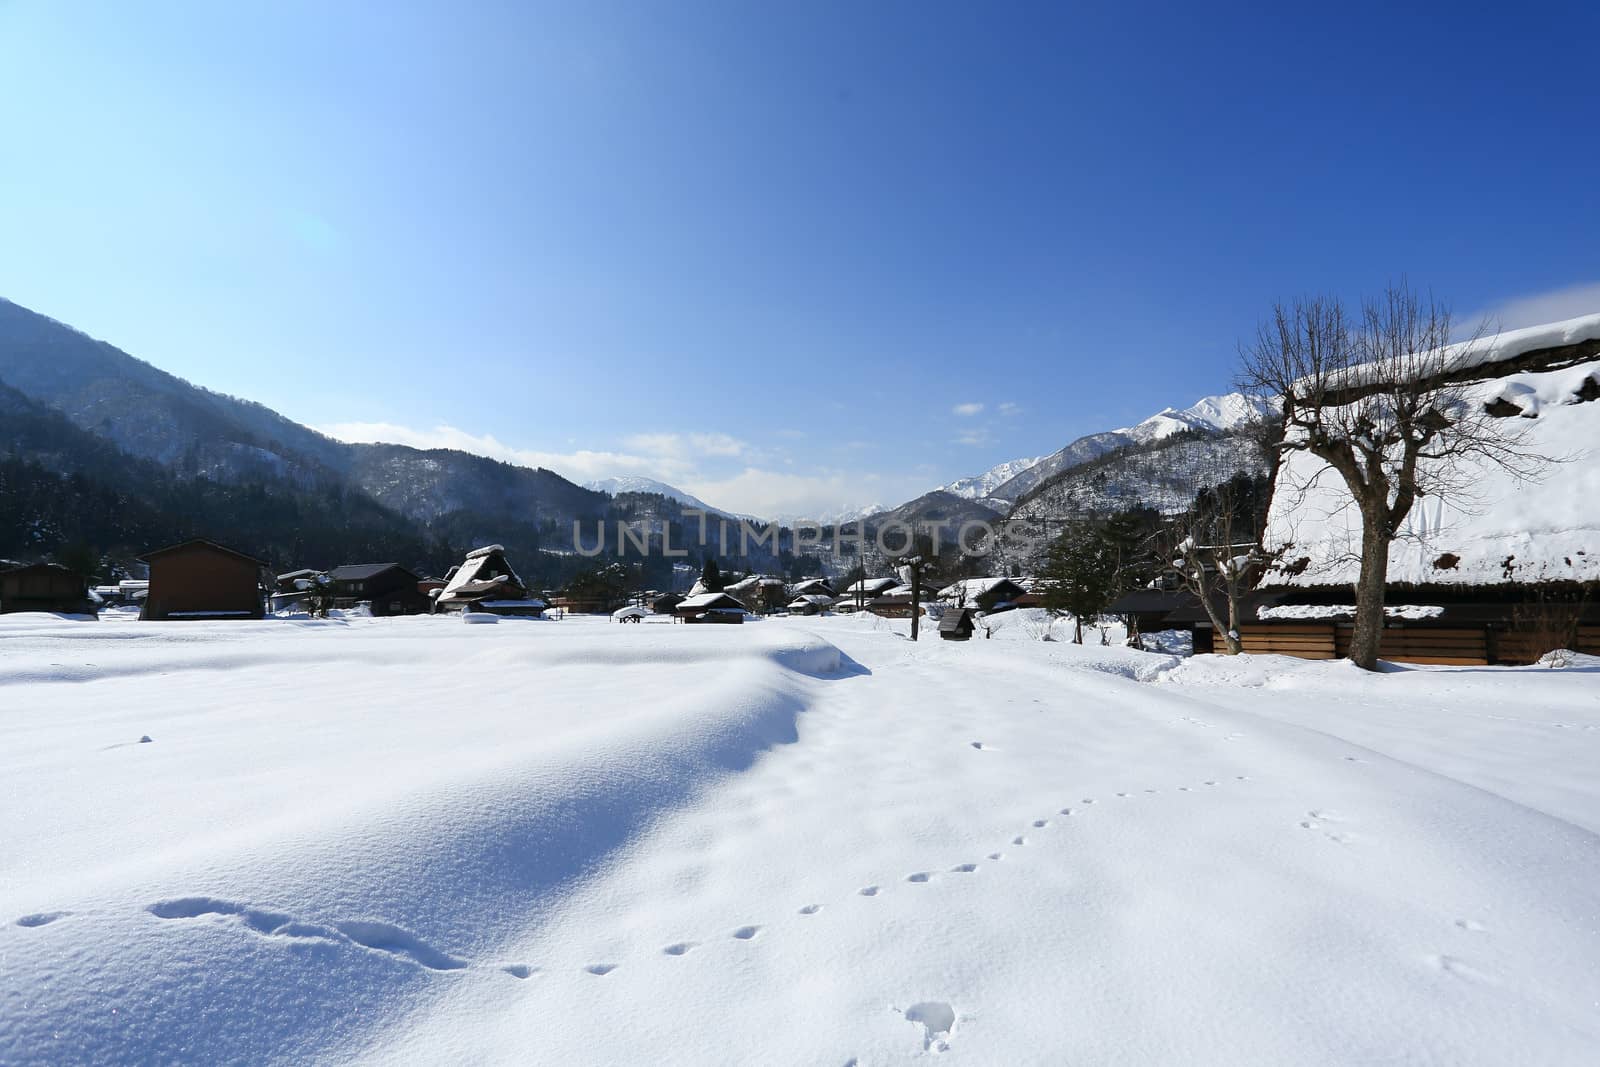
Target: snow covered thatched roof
x: 482, y: 566
x: 872, y: 586
x: 709, y: 601
x: 1507, y: 528
x: 811, y: 600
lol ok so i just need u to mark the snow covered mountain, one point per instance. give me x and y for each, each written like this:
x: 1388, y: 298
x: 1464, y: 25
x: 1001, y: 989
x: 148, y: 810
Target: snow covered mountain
x: 1220, y: 414
x: 638, y: 484
x: 983, y: 485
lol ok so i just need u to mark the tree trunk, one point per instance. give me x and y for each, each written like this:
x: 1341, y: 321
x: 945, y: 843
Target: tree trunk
x: 1370, y: 590
x: 1077, y: 633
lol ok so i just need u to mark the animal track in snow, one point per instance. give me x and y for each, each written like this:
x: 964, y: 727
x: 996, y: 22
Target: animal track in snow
x: 1040, y: 824
x: 601, y: 969
x: 869, y: 891
x: 920, y: 877
x: 383, y: 937
x: 979, y: 745
x: 518, y: 970
x: 938, y: 1022
x: 963, y: 868
x: 1472, y: 924
x: 1461, y: 969
x: 1088, y: 800
x: 42, y: 918
x: 681, y: 948
x: 377, y: 936
x: 1019, y: 840
x: 810, y: 909
x: 996, y: 855
x: 746, y: 933
x: 1065, y: 811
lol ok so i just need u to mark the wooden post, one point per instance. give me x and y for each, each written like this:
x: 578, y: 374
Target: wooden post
x: 916, y: 598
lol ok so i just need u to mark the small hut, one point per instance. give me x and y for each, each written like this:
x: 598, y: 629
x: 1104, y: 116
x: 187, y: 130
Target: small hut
x: 810, y: 604
x: 666, y: 603
x: 957, y: 625
x: 201, y: 579
x: 45, y: 587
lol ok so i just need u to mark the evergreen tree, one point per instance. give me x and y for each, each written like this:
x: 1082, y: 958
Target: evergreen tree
x: 1080, y: 575
x: 711, y: 576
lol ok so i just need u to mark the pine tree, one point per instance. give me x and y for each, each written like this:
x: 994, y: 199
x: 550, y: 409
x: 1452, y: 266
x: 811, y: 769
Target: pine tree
x: 711, y: 576
x: 1080, y: 575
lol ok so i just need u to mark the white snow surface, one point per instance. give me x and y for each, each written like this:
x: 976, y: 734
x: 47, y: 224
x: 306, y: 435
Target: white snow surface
x: 1228, y: 411
x: 811, y: 841
x: 1339, y: 611
x: 1547, y: 527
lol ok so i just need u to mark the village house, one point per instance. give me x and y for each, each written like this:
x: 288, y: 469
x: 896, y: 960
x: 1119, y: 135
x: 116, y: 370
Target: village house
x: 485, y: 582
x: 812, y: 587
x: 666, y: 603
x: 45, y: 587
x: 1502, y: 574
x: 810, y: 604
x: 201, y: 579
x: 388, y: 588
x: 710, y: 607
x: 987, y: 595
x: 759, y: 593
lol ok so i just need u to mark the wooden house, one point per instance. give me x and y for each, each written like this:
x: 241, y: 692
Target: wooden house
x: 810, y: 604
x: 666, y: 603
x: 45, y: 587
x: 201, y: 579
x: 389, y: 588
x: 812, y: 587
x: 758, y: 593
x: 957, y: 625
x: 485, y: 582
x: 988, y: 595
x: 1502, y: 574
x: 895, y: 602
x: 710, y: 607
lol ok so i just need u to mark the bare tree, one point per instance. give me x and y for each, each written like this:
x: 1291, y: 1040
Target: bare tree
x: 1214, y: 551
x: 1382, y: 402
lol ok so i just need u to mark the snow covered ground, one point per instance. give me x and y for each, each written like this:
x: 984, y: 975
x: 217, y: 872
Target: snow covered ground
x: 796, y: 841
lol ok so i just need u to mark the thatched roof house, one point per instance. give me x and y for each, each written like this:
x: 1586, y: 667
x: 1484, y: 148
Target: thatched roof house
x: 485, y: 582
x: 1490, y: 575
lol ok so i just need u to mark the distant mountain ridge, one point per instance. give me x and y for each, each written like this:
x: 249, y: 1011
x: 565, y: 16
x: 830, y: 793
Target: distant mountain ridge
x: 638, y: 484
x: 998, y: 489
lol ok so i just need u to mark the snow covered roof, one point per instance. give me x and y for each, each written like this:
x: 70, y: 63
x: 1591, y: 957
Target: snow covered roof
x: 1512, y: 529
x: 973, y: 587
x: 816, y: 599
x: 873, y: 586
x: 476, y: 562
x: 1497, y: 348
x: 709, y: 600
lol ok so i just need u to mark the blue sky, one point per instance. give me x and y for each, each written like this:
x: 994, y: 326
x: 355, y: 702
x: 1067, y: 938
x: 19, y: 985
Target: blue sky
x: 771, y: 252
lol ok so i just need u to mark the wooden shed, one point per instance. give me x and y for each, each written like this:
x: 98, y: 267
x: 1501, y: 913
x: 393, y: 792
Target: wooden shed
x: 201, y: 579
x: 45, y: 587
x: 957, y: 625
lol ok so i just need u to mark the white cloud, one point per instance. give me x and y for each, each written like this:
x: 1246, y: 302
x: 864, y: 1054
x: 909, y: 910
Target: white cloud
x: 1536, y: 309
x: 679, y: 459
x: 581, y: 465
x: 758, y: 491
x: 1009, y: 409
x: 681, y: 446
x: 966, y: 410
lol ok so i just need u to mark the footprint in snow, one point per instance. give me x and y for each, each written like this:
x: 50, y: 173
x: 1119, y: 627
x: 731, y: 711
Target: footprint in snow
x: 920, y: 877
x: 1019, y: 840
x: 996, y: 855
x: 601, y: 968
x: 377, y: 936
x: 746, y: 933
x: 963, y: 868
x: 518, y: 970
x: 1040, y: 824
x: 810, y: 909
x: 1088, y: 800
x: 869, y: 891
x: 1065, y: 811
x: 979, y: 745
x: 938, y: 1022
x: 681, y: 948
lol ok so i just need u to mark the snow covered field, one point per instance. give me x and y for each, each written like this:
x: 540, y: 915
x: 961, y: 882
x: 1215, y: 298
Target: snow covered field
x: 797, y: 841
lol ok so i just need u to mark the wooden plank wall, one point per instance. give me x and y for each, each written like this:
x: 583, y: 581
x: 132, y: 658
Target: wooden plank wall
x: 1461, y: 646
